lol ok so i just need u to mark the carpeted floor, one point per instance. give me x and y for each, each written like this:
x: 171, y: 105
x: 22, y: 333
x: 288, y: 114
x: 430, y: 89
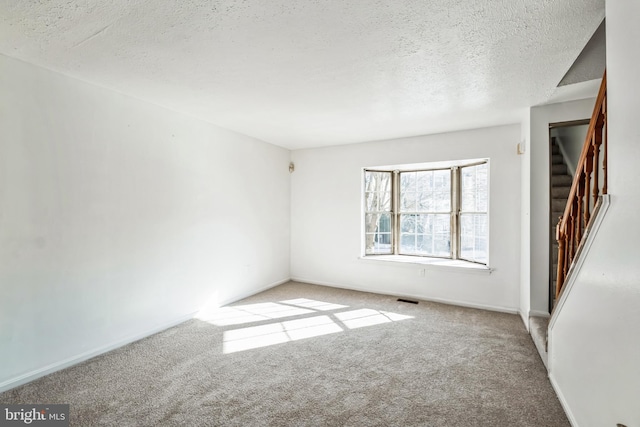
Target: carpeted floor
x: 304, y: 355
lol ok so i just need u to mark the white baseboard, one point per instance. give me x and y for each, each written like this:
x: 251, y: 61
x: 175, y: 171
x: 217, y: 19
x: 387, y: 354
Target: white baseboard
x: 420, y: 297
x: 525, y: 320
x: 563, y: 401
x: 74, y: 360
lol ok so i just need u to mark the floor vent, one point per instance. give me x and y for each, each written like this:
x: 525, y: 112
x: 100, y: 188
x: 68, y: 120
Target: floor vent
x: 410, y: 301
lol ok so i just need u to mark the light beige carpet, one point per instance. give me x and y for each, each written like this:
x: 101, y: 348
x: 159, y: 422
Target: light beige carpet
x: 304, y: 355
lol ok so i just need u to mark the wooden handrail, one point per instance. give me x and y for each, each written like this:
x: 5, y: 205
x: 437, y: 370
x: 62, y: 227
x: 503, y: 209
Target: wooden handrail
x: 585, y: 189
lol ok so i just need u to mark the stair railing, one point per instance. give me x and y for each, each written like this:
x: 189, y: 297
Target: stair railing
x: 585, y: 190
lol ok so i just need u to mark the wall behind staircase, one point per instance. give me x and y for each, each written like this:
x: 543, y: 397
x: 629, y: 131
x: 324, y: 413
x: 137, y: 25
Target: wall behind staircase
x: 538, y: 192
x: 571, y: 140
x: 594, y: 348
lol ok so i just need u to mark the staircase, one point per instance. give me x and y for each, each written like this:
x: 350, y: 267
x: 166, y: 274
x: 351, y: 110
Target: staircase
x: 538, y: 326
x: 560, y: 187
x: 579, y: 200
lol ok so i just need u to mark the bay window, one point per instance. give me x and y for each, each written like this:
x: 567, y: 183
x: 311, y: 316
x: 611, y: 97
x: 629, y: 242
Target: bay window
x: 439, y: 212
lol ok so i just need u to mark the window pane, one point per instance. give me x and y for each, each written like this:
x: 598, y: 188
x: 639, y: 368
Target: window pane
x: 425, y: 243
x: 377, y: 187
x: 442, y: 201
x: 377, y: 219
x: 426, y: 235
x: 408, y: 181
x: 384, y: 199
x: 442, y: 235
x: 473, y: 237
x: 408, y: 224
x: 408, y: 244
x: 474, y: 187
x: 378, y: 234
x: 378, y: 201
x: 424, y: 181
x: 408, y: 201
x: 384, y: 224
x: 425, y: 191
x: 442, y: 180
x: 425, y: 202
x: 408, y: 194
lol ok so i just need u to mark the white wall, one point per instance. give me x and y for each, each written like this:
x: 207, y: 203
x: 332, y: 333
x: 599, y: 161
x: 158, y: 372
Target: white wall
x: 594, y: 348
x: 525, y: 218
x: 570, y: 140
x: 326, y: 218
x: 118, y: 217
x: 540, y: 117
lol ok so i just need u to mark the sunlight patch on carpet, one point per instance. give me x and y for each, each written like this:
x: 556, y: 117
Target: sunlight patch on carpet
x: 276, y: 333
x: 292, y: 330
x: 241, y: 314
x: 316, y: 305
x: 368, y: 317
x: 251, y: 313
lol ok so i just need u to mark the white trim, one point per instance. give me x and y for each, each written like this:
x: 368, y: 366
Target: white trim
x: 74, y: 360
x: 525, y: 320
x: 446, y: 164
x: 453, y: 265
x: 563, y: 401
x: 577, y: 266
x: 509, y: 310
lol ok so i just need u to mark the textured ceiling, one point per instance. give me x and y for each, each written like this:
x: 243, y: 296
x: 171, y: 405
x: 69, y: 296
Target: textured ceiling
x: 311, y: 73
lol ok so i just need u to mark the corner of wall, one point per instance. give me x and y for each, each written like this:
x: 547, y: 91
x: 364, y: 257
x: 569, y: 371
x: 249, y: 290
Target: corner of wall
x: 525, y: 219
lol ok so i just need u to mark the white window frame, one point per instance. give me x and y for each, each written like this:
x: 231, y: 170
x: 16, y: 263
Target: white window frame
x: 455, y: 209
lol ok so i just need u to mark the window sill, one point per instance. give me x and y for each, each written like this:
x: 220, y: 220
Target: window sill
x: 431, y: 263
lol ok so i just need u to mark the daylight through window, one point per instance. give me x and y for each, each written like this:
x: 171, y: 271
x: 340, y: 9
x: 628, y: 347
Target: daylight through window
x: 430, y: 212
